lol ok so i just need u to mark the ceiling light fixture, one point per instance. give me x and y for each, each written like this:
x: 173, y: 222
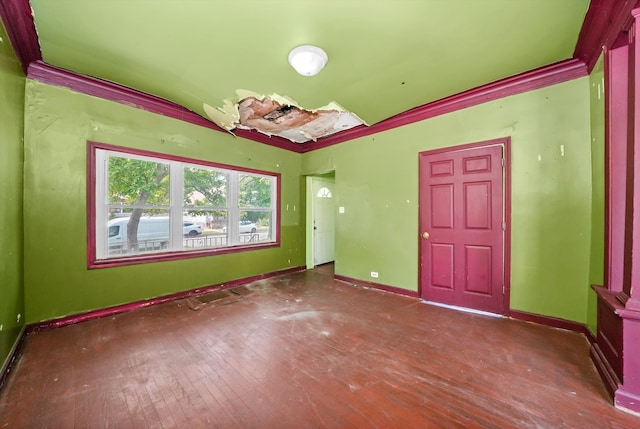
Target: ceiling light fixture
x: 308, y: 60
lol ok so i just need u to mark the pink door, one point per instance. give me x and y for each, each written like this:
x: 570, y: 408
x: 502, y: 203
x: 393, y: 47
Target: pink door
x: 461, y: 227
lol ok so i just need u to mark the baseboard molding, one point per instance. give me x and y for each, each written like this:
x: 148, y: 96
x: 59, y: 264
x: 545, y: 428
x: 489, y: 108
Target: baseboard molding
x: 379, y: 286
x: 627, y: 401
x: 12, y: 356
x: 109, y: 311
x: 590, y: 336
x: 607, y: 374
x: 622, y: 399
x: 550, y: 321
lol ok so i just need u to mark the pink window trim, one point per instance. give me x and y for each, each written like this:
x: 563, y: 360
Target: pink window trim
x: 92, y: 262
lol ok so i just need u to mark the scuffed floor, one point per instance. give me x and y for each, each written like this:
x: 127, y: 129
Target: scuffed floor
x: 306, y: 351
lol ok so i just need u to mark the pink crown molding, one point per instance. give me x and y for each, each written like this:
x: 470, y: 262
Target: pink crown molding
x: 535, y: 79
x: 18, y: 21
x: 602, y: 24
x: 44, y: 73
x: 16, y: 14
x: 528, y: 81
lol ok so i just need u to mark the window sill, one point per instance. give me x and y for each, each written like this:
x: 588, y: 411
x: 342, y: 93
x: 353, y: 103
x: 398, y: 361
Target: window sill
x: 173, y: 256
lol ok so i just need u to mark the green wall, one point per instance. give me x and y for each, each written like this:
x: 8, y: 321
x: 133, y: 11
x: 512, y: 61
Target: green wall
x: 377, y: 183
x: 58, y: 123
x: 553, y: 259
x: 596, y: 273
x: 11, y: 149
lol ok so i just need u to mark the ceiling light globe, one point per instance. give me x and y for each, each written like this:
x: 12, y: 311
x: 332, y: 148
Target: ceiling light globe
x: 308, y: 60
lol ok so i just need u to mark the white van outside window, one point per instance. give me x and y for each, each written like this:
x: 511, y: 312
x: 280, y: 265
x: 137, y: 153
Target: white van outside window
x: 153, y: 234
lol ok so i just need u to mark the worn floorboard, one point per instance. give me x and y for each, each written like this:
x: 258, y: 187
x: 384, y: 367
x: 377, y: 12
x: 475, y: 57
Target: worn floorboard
x: 306, y: 351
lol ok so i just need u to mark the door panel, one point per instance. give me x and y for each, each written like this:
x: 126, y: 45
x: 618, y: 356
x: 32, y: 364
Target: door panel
x: 477, y: 205
x: 478, y: 270
x: 442, y: 263
x: 442, y: 212
x: 461, y: 209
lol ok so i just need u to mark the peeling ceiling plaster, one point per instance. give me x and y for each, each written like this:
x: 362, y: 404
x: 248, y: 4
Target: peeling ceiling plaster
x: 281, y: 116
x: 404, y: 55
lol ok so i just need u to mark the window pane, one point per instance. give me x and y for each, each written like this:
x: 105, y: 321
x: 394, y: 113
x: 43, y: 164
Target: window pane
x: 324, y: 192
x: 254, y: 191
x: 204, y: 188
x: 254, y: 227
x: 135, y: 182
x: 214, y: 234
x: 133, y: 235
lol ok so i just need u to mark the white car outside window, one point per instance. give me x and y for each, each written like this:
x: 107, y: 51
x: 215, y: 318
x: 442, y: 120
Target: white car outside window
x: 245, y: 227
x: 192, y: 229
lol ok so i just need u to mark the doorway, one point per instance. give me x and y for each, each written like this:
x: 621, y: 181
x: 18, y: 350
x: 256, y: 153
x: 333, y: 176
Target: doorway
x: 321, y: 220
x: 464, y: 226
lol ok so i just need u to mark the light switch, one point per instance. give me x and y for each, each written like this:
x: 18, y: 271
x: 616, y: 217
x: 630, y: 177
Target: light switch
x: 340, y: 209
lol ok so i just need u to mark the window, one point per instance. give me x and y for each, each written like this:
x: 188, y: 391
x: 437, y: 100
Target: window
x: 147, y: 206
x: 324, y: 192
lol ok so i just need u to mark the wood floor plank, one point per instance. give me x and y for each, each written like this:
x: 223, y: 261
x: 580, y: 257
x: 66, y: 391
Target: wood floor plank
x: 306, y: 351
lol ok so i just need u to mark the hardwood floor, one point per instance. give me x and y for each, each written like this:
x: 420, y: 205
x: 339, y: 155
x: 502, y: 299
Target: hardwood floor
x: 305, y: 351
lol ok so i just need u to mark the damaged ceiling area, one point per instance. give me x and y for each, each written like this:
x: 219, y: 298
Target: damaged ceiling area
x: 280, y: 116
x: 383, y: 58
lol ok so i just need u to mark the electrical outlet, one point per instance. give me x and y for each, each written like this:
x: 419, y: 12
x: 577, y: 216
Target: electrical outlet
x: 374, y: 274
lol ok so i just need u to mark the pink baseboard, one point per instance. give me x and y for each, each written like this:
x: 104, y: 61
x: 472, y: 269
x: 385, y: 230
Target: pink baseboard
x: 373, y: 285
x: 109, y: 311
x: 11, y: 358
x: 607, y: 374
x: 627, y: 401
x: 552, y: 322
x: 514, y: 314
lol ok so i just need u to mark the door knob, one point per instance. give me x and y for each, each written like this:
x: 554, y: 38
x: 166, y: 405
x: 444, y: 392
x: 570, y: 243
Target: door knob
x: 425, y: 235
